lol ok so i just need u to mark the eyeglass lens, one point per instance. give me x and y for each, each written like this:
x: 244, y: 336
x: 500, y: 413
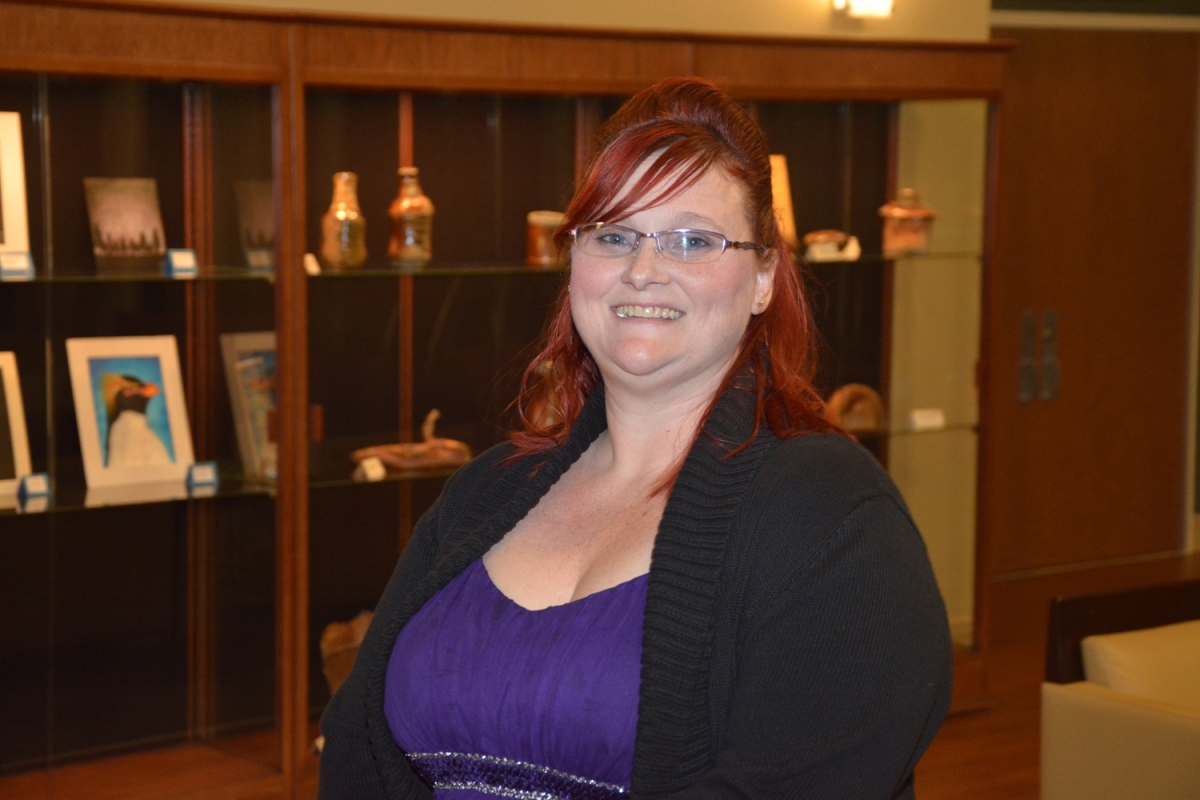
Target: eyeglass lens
x: 612, y: 241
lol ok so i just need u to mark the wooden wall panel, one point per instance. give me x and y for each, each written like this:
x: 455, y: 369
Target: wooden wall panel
x: 838, y: 71
x: 1094, y: 222
x: 134, y: 43
x: 417, y: 58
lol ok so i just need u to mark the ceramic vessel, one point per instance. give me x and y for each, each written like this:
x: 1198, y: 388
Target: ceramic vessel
x: 411, y: 243
x: 907, y: 223
x: 343, y: 228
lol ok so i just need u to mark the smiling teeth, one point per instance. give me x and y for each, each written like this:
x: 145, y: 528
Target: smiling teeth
x: 648, y: 312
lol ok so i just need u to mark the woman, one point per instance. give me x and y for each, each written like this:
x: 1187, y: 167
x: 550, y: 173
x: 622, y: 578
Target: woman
x: 678, y: 579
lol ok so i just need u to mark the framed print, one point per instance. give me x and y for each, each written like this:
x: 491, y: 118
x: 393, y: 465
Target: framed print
x: 129, y: 404
x: 127, y: 226
x: 256, y: 222
x: 14, y: 440
x: 250, y: 372
x: 14, y: 224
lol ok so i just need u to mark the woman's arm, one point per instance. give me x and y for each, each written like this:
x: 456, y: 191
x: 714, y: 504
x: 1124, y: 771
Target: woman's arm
x: 843, y: 677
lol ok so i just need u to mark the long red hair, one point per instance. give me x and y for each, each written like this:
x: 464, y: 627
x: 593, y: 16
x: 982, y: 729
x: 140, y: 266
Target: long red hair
x: 687, y: 126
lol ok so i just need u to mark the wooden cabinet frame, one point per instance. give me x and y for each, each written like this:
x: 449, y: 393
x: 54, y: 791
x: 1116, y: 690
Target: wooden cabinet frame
x: 294, y: 51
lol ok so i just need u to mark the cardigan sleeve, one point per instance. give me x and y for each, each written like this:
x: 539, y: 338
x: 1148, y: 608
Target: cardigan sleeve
x: 347, y: 768
x: 843, y: 676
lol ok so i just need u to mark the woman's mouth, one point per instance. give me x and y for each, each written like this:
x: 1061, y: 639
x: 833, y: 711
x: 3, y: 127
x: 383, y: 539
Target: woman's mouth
x: 647, y: 312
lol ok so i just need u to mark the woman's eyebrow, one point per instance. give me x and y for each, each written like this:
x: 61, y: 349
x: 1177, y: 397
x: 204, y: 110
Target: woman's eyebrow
x: 691, y: 218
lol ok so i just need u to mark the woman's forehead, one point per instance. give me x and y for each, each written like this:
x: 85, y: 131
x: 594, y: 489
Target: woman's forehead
x: 712, y: 199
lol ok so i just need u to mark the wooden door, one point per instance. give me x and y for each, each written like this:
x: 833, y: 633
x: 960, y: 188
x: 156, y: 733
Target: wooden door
x: 1094, y: 223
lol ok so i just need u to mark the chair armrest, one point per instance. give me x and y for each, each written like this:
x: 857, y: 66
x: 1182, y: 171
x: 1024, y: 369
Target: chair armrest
x: 1100, y: 744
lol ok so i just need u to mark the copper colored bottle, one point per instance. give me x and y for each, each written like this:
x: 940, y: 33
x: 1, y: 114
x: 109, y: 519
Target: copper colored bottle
x: 411, y: 243
x: 343, y: 228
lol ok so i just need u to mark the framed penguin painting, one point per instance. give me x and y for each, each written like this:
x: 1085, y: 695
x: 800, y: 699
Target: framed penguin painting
x: 129, y: 403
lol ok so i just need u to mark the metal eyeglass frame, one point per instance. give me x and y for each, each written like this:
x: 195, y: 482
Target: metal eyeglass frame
x: 637, y: 242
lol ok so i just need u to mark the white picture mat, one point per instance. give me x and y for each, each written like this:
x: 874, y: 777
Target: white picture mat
x: 164, y: 348
x: 233, y: 346
x: 12, y: 185
x: 16, y: 421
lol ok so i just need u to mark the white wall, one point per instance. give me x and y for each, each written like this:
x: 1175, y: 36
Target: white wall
x: 912, y: 19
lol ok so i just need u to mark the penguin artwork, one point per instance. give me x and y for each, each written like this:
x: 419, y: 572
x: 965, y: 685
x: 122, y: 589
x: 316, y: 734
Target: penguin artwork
x: 131, y: 440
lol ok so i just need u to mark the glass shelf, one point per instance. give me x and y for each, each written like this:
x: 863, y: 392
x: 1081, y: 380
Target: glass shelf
x: 448, y: 270
x: 958, y: 427
x: 208, y: 274
x: 878, y: 259
x: 71, y: 496
x: 440, y: 473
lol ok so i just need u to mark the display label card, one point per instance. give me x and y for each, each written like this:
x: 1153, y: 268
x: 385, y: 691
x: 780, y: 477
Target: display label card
x: 369, y: 470
x: 16, y: 266
x: 35, y: 485
x: 260, y: 259
x: 927, y: 419
x: 202, y: 475
x: 35, y: 505
x: 181, y: 263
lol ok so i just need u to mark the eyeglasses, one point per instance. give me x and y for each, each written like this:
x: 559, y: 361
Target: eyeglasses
x: 605, y: 240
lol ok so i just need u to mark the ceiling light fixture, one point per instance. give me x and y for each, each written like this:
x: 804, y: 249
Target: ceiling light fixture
x: 864, y: 8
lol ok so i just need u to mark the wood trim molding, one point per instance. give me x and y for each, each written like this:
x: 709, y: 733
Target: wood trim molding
x: 837, y: 72
x: 292, y: 15
x: 107, y: 41
x: 423, y: 58
x: 166, y: 40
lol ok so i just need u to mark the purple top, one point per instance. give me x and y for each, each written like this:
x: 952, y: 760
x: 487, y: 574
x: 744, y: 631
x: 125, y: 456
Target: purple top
x: 488, y: 698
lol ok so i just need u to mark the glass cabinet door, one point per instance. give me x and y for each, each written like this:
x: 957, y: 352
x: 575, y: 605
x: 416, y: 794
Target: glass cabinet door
x: 389, y: 343
x: 140, y: 650
x: 935, y: 334
x: 902, y: 323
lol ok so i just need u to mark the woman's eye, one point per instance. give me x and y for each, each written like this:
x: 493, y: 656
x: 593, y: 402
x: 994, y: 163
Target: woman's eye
x: 694, y: 242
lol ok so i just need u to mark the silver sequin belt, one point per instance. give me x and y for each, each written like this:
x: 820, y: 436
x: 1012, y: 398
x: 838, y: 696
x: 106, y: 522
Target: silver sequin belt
x: 506, y: 777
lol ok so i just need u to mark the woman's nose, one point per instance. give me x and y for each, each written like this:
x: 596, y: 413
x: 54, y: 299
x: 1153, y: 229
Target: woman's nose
x: 645, y: 265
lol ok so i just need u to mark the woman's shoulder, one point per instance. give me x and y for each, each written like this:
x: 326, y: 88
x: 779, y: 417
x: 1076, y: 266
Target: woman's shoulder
x: 823, y: 510
x: 811, y: 485
x: 829, y: 466
x: 480, y: 472
x: 489, y: 478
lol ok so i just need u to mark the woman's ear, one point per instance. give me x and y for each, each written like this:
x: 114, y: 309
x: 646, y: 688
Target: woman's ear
x: 763, y: 290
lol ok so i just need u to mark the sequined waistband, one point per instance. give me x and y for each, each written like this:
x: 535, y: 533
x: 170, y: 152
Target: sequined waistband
x: 505, y: 777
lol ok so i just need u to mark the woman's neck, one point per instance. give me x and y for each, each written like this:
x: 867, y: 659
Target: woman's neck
x: 647, y: 436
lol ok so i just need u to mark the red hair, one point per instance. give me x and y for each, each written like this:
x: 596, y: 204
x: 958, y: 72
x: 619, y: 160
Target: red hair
x: 687, y: 126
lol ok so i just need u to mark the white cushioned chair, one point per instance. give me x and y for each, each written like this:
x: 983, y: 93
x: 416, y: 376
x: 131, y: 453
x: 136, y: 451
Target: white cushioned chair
x: 1131, y: 727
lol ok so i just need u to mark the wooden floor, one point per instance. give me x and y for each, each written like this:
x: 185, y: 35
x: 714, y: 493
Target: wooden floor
x: 196, y: 772
x: 993, y: 754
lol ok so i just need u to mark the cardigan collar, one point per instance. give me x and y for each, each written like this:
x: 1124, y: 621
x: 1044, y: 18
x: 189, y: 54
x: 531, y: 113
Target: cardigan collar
x: 674, y: 742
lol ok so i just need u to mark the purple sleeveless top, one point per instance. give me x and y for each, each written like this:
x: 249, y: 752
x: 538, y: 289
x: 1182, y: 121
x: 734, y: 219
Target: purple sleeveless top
x: 491, y: 699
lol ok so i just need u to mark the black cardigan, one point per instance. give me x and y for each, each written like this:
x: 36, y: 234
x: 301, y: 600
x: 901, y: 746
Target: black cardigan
x: 795, y: 643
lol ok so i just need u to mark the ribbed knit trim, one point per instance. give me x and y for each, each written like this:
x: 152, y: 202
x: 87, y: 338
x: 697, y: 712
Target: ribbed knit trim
x: 674, y: 733
x: 674, y: 738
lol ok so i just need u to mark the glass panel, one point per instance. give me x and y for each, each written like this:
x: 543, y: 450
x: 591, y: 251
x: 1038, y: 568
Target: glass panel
x: 143, y: 655
x: 909, y: 327
x: 234, y: 705
x: 837, y: 158
x: 486, y: 161
x: 935, y: 341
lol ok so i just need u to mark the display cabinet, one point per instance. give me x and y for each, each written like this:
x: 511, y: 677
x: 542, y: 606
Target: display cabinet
x: 166, y: 644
